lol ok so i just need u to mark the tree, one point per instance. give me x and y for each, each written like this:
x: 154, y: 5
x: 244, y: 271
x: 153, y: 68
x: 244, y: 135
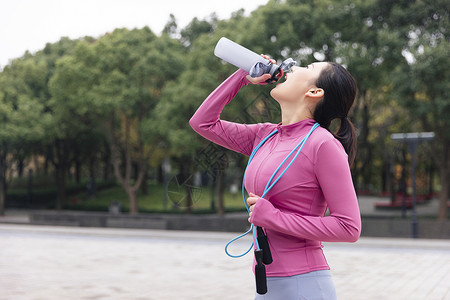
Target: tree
x: 22, y: 115
x: 171, y: 27
x: 176, y: 107
x: 426, y: 97
x: 180, y: 99
x: 196, y: 28
x: 76, y: 133
x: 131, y: 68
x: 422, y: 83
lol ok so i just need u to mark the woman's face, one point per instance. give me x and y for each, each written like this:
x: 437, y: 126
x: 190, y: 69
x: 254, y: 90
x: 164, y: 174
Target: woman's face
x: 298, y: 82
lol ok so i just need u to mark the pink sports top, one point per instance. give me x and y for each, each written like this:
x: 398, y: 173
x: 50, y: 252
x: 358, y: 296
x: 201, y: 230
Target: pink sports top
x: 293, y: 211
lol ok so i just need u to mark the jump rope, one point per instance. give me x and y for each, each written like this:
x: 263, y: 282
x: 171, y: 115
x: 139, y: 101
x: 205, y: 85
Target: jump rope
x: 263, y: 255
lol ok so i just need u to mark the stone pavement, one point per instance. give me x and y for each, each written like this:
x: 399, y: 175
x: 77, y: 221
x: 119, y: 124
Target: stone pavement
x: 376, y: 223
x: 51, y: 262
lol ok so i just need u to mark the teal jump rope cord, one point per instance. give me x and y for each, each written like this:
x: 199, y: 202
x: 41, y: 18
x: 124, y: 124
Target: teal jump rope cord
x: 269, y: 186
x: 245, y: 202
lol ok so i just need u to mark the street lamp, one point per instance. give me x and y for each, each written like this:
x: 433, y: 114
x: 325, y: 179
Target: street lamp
x: 412, y: 140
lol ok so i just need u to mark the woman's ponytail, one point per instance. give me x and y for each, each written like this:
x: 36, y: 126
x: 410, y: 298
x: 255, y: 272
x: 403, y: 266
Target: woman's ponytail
x: 340, y: 92
x: 346, y: 134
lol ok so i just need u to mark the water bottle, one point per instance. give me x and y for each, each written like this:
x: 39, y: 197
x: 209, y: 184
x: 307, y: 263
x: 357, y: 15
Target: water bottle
x: 249, y: 61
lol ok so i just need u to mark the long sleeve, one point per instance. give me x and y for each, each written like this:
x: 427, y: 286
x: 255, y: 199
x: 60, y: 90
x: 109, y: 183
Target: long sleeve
x: 206, y: 120
x: 334, y: 177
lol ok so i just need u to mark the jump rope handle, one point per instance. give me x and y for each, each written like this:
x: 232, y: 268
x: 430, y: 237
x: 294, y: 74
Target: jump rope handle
x: 264, y: 246
x: 263, y: 257
x: 260, y: 273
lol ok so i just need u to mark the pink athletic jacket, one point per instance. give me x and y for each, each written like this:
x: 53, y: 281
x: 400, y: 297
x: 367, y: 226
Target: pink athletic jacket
x: 293, y: 211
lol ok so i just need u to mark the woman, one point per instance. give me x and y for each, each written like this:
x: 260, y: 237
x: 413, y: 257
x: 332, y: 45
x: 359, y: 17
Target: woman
x: 292, y: 213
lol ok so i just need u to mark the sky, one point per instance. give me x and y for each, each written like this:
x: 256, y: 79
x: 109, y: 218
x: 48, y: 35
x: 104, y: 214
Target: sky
x: 30, y: 24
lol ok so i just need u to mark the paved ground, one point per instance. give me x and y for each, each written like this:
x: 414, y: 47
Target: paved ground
x: 50, y: 262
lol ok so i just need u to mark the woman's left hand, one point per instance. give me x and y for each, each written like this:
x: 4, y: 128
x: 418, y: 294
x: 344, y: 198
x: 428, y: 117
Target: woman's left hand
x: 251, y: 201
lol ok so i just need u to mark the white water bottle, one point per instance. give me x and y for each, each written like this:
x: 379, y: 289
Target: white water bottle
x: 249, y: 61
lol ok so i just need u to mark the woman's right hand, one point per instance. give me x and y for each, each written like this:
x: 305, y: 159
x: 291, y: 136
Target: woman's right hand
x: 263, y: 78
x: 258, y: 80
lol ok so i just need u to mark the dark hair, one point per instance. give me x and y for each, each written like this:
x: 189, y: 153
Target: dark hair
x: 340, y: 92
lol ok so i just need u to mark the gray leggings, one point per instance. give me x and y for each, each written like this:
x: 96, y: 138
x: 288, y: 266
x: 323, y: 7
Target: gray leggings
x: 316, y: 285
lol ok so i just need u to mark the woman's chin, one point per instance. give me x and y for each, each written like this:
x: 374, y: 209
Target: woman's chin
x: 274, y: 93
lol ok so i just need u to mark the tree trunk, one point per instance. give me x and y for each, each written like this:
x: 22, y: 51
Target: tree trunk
x: 60, y: 186
x: 132, y: 196
x: 219, y: 192
x: 3, y: 186
x: 444, y: 196
x: 59, y: 160
x: 125, y: 177
x: 20, y: 165
x: 366, y: 166
x: 78, y: 164
x: 92, y: 185
x: 188, y: 189
x: 92, y: 167
x: 361, y: 168
x: 186, y: 180
x: 106, y: 162
x: 48, y: 159
x: 144, y: 186
x: 445, y: 188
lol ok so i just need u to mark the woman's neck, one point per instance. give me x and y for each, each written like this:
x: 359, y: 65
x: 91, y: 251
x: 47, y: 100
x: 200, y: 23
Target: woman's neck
x: 291, y: 114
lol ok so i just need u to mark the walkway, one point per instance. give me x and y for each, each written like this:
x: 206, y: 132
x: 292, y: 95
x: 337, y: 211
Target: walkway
x: 50, y: 262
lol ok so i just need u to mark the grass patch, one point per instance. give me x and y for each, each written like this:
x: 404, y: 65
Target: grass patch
x: 153, y: 202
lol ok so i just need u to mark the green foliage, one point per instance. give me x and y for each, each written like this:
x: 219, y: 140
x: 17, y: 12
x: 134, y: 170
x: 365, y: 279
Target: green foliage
x: 21, y: 110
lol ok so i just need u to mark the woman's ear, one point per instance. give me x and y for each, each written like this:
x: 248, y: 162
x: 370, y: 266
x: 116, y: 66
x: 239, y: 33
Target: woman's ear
x: 315, y: 93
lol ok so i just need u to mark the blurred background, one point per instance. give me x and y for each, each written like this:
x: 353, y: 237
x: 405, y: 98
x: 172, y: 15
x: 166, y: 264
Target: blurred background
x: 95, y: 98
